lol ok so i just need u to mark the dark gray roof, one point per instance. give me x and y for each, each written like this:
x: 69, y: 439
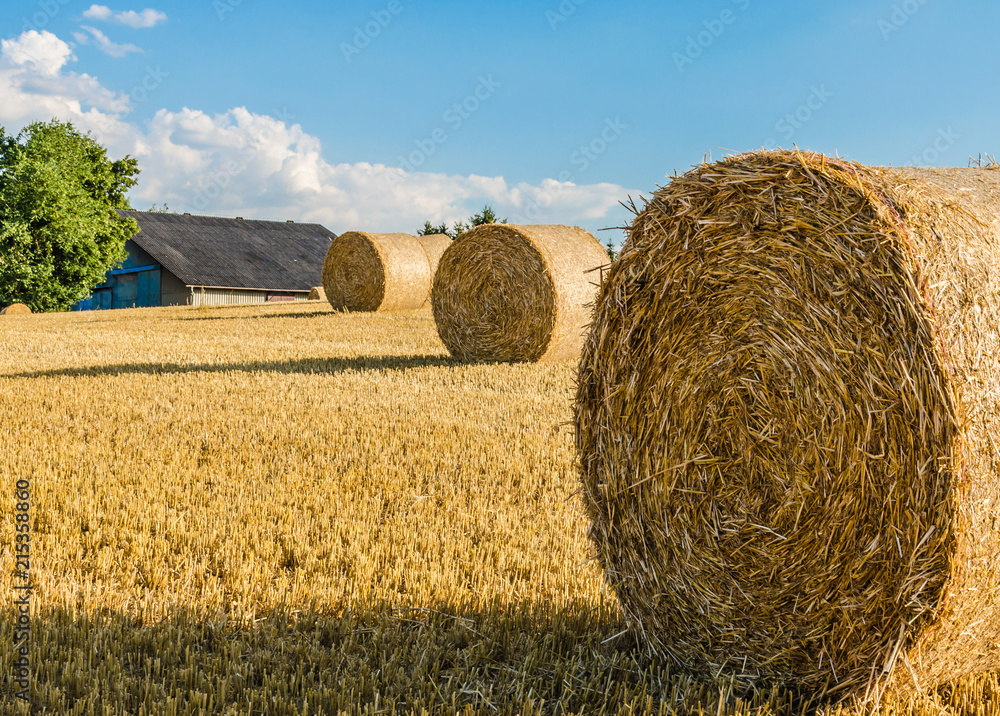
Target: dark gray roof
x: 234, y: 253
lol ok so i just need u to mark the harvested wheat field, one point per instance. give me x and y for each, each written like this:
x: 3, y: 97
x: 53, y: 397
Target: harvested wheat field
x: 281, y: 509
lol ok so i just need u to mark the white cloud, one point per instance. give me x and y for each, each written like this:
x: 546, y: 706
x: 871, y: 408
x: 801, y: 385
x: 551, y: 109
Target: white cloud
x: 104, y: 44
x: 40, y: 51
x: 146, y: 18
x: 98, y: 12
x: 238, y: 163
x: 33, y: 87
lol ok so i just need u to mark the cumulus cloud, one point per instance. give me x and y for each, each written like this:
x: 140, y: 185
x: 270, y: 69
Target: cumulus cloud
x: 243, y: 163
x: 104, y: 44
x: 146, y: 18
x: 40, y: 51
x: 266, y: 166
x: 35, y: 86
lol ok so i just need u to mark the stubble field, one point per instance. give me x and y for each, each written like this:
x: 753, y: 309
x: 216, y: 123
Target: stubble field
x: 286, y: 510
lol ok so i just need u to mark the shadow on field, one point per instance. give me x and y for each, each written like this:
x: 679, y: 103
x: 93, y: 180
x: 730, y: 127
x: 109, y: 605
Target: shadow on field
x: 258, y: 316
x: 512, y: 659
x: 304, y: 365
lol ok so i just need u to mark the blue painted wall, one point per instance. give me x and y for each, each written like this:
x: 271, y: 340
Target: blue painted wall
x: 135, y: 283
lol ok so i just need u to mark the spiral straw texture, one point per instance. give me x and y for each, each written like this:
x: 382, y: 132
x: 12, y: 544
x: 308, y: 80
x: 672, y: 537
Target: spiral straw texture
x: 788, y: 415
x: 517, y: 293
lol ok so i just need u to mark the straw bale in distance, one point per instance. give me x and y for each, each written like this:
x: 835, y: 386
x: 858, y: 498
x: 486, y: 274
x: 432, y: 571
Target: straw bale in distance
x: 517, y: 293
x: 316, y: 293
x: 435, y: 245
x: 787, y: 418
x: 376, y: 272
x: 15, y: 309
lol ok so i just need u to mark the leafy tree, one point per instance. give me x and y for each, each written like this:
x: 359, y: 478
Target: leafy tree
x: 484, y: 216
x: 59, y: 232
x: 612, y: 254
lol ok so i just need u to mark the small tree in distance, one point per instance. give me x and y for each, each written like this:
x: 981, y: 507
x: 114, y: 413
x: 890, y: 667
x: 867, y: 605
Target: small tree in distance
x: 485, y: 216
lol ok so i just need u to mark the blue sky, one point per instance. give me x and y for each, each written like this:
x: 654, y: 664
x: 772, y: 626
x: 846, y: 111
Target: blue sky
x: 378, y: 115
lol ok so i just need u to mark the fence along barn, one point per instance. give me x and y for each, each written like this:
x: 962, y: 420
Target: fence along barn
x: 179, y: 259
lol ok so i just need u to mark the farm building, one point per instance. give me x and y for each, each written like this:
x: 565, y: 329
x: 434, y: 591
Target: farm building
x: 179, y: 259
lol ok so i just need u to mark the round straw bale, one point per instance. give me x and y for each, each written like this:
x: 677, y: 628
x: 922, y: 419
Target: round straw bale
x: 376, y: 272
x: 435, y: 245
x: 316, y: 293
x: 787, y: 421
x: 15, y: 309
x: 517, y: 293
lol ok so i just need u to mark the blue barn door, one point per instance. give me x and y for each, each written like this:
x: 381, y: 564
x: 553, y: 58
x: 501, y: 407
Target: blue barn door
x: 148, y: 288
x: 125, y: 290
x: 103, y: 297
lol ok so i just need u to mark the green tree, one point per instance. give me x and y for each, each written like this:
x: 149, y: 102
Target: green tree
x: 59, y: 231
x: 612, y: 254
x: 429, y: 229
x: 485, y: 216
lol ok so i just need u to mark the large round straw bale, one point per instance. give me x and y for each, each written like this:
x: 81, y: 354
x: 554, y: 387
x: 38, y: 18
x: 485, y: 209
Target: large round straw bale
x: 517, y: 293
x: 15, y: 309
x: 788, y: 419
x: 316, y: 293
x: 376, y: 272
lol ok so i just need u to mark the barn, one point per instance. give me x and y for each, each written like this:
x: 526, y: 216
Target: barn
x: 180, y: 259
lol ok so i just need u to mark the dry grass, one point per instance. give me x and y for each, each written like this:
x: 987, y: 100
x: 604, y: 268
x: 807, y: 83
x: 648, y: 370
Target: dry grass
x: 281, y: 509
